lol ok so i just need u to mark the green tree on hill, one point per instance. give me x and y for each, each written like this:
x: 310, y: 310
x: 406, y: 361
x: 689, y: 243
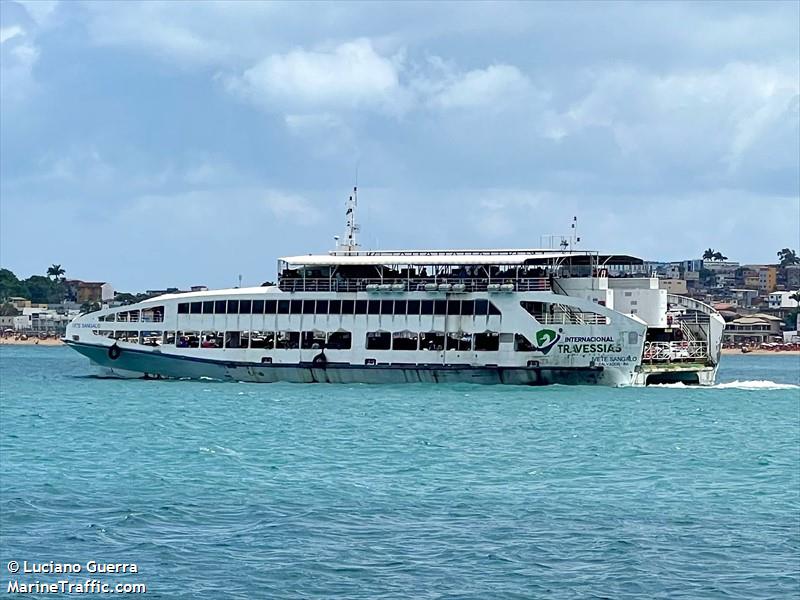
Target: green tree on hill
x: 56, y: 272
x: 788, y: 257
x: 708, y: 254
x: 11, y: 286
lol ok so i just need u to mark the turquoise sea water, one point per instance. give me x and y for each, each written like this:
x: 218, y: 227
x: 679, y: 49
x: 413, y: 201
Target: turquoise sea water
x: 225, y: 490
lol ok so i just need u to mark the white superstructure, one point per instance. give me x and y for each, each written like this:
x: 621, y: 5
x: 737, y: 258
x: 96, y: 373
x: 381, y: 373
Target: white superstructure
x: 485, y: 316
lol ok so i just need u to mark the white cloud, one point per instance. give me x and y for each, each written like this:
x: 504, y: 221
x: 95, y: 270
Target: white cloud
x: 352, y: 75
x: 702, y: 117
x: 7, y: 33
x: 496, y: 85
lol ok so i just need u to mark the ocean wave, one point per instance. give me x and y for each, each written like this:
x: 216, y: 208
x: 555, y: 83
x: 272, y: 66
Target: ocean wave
x: 756, y: 384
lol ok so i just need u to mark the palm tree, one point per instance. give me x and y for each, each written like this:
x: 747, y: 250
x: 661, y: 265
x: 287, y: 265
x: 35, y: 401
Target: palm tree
x: 719, y: 256
x: 55, y: 271
x: 788, y: 257
x: 708, y: 254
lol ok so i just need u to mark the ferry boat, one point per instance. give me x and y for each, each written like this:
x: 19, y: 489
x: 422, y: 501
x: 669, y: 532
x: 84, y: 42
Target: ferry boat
x: 529, y: 317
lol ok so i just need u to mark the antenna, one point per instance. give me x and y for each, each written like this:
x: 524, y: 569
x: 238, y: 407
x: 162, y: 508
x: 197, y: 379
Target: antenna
x: 575, y: 237
x: 351, y: 227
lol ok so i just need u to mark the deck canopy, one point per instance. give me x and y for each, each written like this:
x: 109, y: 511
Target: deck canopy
x: 456, y: 257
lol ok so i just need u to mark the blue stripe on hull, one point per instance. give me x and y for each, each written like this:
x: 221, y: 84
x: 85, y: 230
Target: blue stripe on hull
x: 169, y: 365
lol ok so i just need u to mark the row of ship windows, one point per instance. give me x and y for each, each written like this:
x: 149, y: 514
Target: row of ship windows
x: 486, y: 341
x: 341, y: 307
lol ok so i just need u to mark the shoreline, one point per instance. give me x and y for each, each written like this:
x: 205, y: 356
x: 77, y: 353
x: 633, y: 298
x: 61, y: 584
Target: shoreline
x: 760, y: 352
x: 31, y: 342
x: 725, y: 351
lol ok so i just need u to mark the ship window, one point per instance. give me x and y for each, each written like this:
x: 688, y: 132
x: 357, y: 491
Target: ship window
x: 150, y: 338
x: 196, y: 308
x: 188, y: 339
x: 348, y: 306
x: 211, y: 339
x: 387, y: 307
x: 493, y: 310
x: 246, y: 307
x: 169, y: 338
x: 468, y: 307
x: 132, y: 337
x: 374, y: 307
x: 454, y: 307
x: 431, y: 340
x: 233, y: 307
x: 400, y: 307
x: 295, y: 307
x: 379, y: 340
x: 110, y: 317
x: 258, y: 307
x: 440, y: 307
x: 287, y: 339
x: 283, y: 307
x: 426, y: 307
x: 361, y: 307
x: 322, y: 307
x: 335, y: 307
x: 245, y: 339
x: 208, y: 307
x: 459, y: 341
x: 481, y: 307
x: 154, y: 314
x: 312, y: 340
x: 219, y: 307
x: 110, y: 334
x: 413, y: 307
x: 308, y: 307
x: 233, y: 339
x: 488, y: 341
x: 262, y: 339
x: 522, y: 344
x: 270, y: 307
x: 340, y: 340
x: 404, y: 340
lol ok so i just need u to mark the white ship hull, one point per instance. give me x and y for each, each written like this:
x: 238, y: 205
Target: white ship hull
x: 465, y: 324
x: 154, y: 365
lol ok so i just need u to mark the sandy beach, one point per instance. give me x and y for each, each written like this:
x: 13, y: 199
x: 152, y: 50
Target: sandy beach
x: 762, y: 352
x: 32, y: 341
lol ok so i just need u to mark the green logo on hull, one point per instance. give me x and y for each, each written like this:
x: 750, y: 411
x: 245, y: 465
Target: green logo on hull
x: 546, y: 339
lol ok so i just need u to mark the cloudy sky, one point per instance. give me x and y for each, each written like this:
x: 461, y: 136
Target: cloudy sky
x: 177, y: 143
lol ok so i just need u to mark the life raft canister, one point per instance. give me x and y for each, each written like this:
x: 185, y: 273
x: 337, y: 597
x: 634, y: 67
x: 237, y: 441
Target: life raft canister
x: 114, y: 352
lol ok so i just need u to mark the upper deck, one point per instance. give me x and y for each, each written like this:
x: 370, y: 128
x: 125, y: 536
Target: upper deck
x: 440, y: 270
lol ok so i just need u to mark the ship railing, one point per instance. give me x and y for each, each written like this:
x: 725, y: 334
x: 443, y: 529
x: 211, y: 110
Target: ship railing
x: 450, y: 284
x: 570, y: 316
x: 675, y: 351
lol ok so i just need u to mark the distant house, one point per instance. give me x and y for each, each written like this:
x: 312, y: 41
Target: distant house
x: 767, y: 279
x: 754, y: 329
x: 792, y: 276
x: 673, y: 285
x: 781, y: 300
x: 90, y: 291
x: 744, y: 297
